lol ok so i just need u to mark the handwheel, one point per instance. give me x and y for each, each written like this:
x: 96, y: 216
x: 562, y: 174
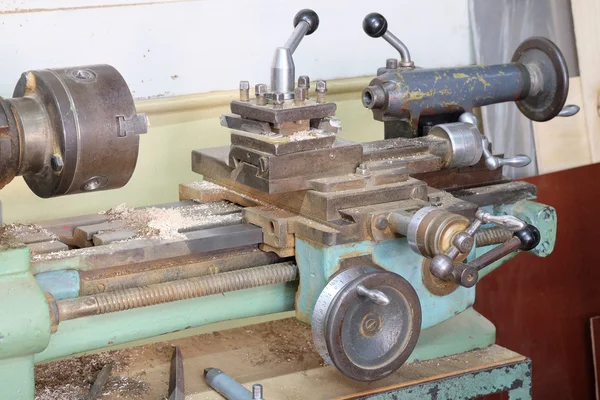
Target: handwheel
x: 366, y: 322
x: 545, y: 56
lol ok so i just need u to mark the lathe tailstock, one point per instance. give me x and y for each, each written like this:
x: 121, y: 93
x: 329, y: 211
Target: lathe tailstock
x: 378, y: 246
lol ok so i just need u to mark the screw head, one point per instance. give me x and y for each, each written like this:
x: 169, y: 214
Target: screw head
x: 56, y: 163
x: 321, y: 86
x: 244, y: 85
x: 304, y: 81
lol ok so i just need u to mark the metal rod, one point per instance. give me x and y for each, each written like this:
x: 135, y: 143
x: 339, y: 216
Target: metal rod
x: 226, y: 385
x: 297, y: 36
x: 143, y: 296
x: 495, y: 254
x: 398, y: 45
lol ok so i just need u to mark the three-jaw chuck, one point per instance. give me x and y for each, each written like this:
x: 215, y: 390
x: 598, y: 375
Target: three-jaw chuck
x: 70, y: 130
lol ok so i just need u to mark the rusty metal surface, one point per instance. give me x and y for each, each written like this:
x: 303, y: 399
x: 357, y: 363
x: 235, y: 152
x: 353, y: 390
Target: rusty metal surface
x: 311, y: 110
x: 140, y: 250
x: 407, y: 95
x: 159, y: 293
x: 494, y: 235
x: 501, y: 193
x: 281, y: 145
x: 10, y: 144
x: 165, y: 270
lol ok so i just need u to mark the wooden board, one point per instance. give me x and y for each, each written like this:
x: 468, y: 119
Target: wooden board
x: 595, y: 331
x: 277, y: 354
x: 542, y: 306
x: 586, y: 14
x: 563, y: 143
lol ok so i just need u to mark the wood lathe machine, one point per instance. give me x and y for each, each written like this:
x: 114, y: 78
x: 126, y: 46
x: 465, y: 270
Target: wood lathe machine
x: 378, y: 246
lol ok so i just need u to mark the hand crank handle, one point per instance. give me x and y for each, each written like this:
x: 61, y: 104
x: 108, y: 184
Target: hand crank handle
x: 466, y: 274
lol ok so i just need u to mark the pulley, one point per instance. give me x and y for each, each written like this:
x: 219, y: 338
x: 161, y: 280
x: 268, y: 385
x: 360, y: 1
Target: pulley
x: 366, y: 322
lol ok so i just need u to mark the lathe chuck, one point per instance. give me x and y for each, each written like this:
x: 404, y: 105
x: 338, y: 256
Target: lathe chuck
x: 366, y: 322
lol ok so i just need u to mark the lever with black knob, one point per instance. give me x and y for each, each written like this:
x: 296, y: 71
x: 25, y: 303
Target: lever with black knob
x: 283, y: 71
x: 375, y: 25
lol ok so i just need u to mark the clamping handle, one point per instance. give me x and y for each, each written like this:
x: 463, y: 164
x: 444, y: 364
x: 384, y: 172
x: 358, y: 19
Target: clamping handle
x: 375, y: 25
x: 493, y: 162
x: 305, y: 23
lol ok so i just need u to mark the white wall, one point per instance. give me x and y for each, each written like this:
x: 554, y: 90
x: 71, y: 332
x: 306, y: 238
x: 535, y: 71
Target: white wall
x: 166, y: 48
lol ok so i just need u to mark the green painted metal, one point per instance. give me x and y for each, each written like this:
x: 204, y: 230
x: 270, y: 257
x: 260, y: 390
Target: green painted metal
x: 513, y: 378
x: 16, y: 378
x: 24, y: 323
x: 468, y: 330
x: 539, y: 215
x: 317, y: 263
x: 450, y: 324
x: 89, y: 333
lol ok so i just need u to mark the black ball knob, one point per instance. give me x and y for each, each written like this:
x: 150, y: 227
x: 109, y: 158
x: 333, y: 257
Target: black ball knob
x: 529, y: 237
x: 308, y: 16
x: 375, y: 25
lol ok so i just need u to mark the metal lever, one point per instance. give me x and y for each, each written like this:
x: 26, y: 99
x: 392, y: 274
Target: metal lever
x: 493, y: 162
x: 305, y: 23
x: 569, y: 110
x: 375, y: 25
x: 283, y: 71
x: 506, y: 221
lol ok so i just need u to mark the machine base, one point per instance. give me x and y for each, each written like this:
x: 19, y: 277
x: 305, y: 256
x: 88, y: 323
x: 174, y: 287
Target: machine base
x: 280, y: 355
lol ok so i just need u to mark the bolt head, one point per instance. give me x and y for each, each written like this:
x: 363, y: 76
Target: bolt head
x: 381, y: 223
x: 391, y: 63
x: 278, y: 98
x: 244, y: 85
x: 260, y: 89
x: 304, y: 81
x: 321, y: 86
x: 300, y: 93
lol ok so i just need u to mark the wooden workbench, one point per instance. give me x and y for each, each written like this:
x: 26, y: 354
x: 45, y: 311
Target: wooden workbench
x: 281, y: 357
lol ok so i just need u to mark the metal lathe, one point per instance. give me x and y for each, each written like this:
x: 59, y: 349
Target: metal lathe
x: 377, y: 246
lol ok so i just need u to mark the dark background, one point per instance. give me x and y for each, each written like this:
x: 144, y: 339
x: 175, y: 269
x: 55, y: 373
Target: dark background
x: 542, y: 306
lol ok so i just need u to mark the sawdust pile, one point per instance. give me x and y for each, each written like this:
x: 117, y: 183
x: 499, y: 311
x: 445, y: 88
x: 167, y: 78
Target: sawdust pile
x: 71, y: 379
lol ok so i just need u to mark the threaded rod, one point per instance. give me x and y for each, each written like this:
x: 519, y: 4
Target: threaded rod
x: 490, y: 236
x: 126, y: 299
